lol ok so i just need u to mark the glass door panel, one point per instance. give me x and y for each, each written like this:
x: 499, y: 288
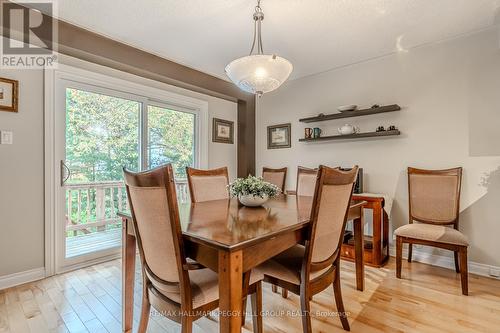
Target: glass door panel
x: 102, y: 136
x: 171, y: 139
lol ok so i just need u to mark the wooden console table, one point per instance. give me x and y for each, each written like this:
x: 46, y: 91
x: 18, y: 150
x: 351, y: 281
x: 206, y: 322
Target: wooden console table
x: 378, y: 255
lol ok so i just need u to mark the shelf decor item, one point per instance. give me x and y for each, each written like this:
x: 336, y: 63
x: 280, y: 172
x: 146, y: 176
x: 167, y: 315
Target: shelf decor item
x: 348, y: 129
x: 279, y: 136
x: 347, y: 108
x: 259, y: 73
x: 253, y: 191
x: 9, y: 90
x: 222, y: 131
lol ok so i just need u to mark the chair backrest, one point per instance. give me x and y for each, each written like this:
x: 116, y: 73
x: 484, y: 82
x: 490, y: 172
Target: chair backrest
x: 275, y: 176
x: 206, y: 185
x: 434, y: 195
x: 332, y: 198
x: 306, y: 181
x: 153, y: 204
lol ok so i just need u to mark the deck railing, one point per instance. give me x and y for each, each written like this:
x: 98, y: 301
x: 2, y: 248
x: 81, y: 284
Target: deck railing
x: 93, y: 207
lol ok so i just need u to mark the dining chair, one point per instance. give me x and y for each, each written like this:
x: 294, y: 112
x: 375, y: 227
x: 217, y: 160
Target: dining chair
x: 275, y: 176
x: 174, y: 285
x: 306, y: 181
x: 308, y: 269
x: 206, y: 185
x: 434, y: 204
x: 305, y: 186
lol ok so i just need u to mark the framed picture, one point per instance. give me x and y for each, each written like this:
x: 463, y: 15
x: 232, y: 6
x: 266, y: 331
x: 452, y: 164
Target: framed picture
x: 279, y: 136
x: 222, y: 131
x: 9, y: 90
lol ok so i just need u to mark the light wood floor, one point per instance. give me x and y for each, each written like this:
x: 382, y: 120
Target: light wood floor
x: 427, y: 299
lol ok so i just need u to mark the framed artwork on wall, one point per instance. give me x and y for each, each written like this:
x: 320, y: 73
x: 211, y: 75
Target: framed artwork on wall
x: 222, y: 131
x: 279, y: 136
x: 9, y: 90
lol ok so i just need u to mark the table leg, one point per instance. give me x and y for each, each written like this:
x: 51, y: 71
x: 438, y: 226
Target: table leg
x: 359, y: 228
x: 128, y: 276
x: 230, y: 291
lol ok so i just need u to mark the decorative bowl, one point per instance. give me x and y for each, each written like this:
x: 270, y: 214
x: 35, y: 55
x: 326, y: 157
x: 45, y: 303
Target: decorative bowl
x: 251, y: 200
x: 346, y: 108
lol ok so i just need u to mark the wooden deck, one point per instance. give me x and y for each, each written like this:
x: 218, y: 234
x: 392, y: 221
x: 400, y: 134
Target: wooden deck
x: 95, y: 241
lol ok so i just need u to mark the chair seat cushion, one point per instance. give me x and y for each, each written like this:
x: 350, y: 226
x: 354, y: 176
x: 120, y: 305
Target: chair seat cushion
x: 434, y: 233
x: 286, y: 266
x: 204, y: 287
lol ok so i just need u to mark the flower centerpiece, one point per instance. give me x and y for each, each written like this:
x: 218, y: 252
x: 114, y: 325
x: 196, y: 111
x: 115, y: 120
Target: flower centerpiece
x: 253, y: 191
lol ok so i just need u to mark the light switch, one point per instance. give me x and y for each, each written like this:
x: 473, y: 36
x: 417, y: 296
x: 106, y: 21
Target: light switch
x: 6, y: 137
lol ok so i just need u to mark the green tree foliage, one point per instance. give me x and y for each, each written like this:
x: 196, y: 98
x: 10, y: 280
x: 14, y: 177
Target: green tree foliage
x: 102, y: 136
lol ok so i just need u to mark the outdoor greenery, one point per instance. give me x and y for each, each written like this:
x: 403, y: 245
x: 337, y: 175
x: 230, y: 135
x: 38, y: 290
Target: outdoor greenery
x: 253, y: 185
x: 102, y: 136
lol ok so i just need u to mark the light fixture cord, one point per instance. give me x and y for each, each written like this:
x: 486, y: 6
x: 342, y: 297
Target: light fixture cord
x: 258, y: 17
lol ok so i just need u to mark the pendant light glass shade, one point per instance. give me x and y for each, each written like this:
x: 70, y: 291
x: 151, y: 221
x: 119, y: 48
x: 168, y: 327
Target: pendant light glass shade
x: 259, y: 73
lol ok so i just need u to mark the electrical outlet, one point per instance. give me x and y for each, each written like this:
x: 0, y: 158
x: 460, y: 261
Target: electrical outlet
x: 6, y: 137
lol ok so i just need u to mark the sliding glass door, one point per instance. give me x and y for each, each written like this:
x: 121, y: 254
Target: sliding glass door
x: 100, y: 131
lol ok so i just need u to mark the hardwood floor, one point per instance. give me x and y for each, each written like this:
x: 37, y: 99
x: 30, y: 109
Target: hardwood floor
x: 427, y: 299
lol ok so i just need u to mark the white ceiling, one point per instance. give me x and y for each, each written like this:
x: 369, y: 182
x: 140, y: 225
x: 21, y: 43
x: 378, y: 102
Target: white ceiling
x: 315, y: 35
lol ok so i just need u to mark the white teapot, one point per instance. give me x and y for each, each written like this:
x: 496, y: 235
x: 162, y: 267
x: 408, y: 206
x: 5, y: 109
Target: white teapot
x: 348, y: 129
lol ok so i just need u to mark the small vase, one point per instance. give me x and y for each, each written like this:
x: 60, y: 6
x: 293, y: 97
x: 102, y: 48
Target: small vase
x: 251, y: 200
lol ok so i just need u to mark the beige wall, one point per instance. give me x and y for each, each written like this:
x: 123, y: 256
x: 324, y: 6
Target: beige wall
x: 450, y: 94
x: 21, y: 178
x: 21, y: 164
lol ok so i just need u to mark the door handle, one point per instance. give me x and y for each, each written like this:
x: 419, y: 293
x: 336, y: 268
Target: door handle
x: 64, y: 175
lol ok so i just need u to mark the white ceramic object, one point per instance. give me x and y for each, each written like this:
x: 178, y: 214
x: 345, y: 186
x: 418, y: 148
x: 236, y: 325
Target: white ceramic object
x: 345, y: 108
x: 250, y: 200
x: 348, y: 129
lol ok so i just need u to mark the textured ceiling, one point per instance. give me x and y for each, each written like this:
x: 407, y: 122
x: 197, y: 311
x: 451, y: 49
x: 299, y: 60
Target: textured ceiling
x: 315, y: 35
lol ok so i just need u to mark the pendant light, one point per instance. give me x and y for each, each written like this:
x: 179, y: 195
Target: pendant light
x: 259, y: 73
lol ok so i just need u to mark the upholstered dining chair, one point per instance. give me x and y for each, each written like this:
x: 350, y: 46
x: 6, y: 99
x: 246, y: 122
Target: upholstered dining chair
x: 176, y: 287
x: 306, y: 181
x: 306, y: 184
x: 275, y: 176
x: 205, y: 185
x: 434, y: 203
x: 308, y: 269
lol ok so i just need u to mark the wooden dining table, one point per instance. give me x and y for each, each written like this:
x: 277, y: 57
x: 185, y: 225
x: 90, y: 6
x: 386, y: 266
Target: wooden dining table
x: 232, y: 239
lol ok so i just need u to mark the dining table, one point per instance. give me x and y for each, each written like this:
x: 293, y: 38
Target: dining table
x: 231, y: 239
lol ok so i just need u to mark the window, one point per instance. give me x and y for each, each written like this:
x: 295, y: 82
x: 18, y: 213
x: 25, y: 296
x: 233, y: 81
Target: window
x: 171, y: 139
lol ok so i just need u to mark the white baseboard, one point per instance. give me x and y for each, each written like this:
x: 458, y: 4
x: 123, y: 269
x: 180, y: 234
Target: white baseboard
x: 16, y: 279
x: 446, y: 262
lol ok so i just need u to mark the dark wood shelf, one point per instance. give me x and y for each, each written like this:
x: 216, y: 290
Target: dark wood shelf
x: 352, y: 136
x: 350, y: 114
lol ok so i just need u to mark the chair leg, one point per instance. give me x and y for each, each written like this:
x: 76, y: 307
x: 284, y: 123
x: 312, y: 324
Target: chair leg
x: 145, y: 311
x: 245, y: 288
x: 410, y: 250
x: 338, y: 300
x: 464, y: 271
x: 284, y: 293
x: 306, y: 311
x: 256, y: 299
x: 399, y: 255
x: 187, y: 324
x: 457, y: 266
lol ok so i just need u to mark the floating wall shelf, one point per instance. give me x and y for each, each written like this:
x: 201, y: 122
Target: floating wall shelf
x: 352, y: 136
x: 350, y: 114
